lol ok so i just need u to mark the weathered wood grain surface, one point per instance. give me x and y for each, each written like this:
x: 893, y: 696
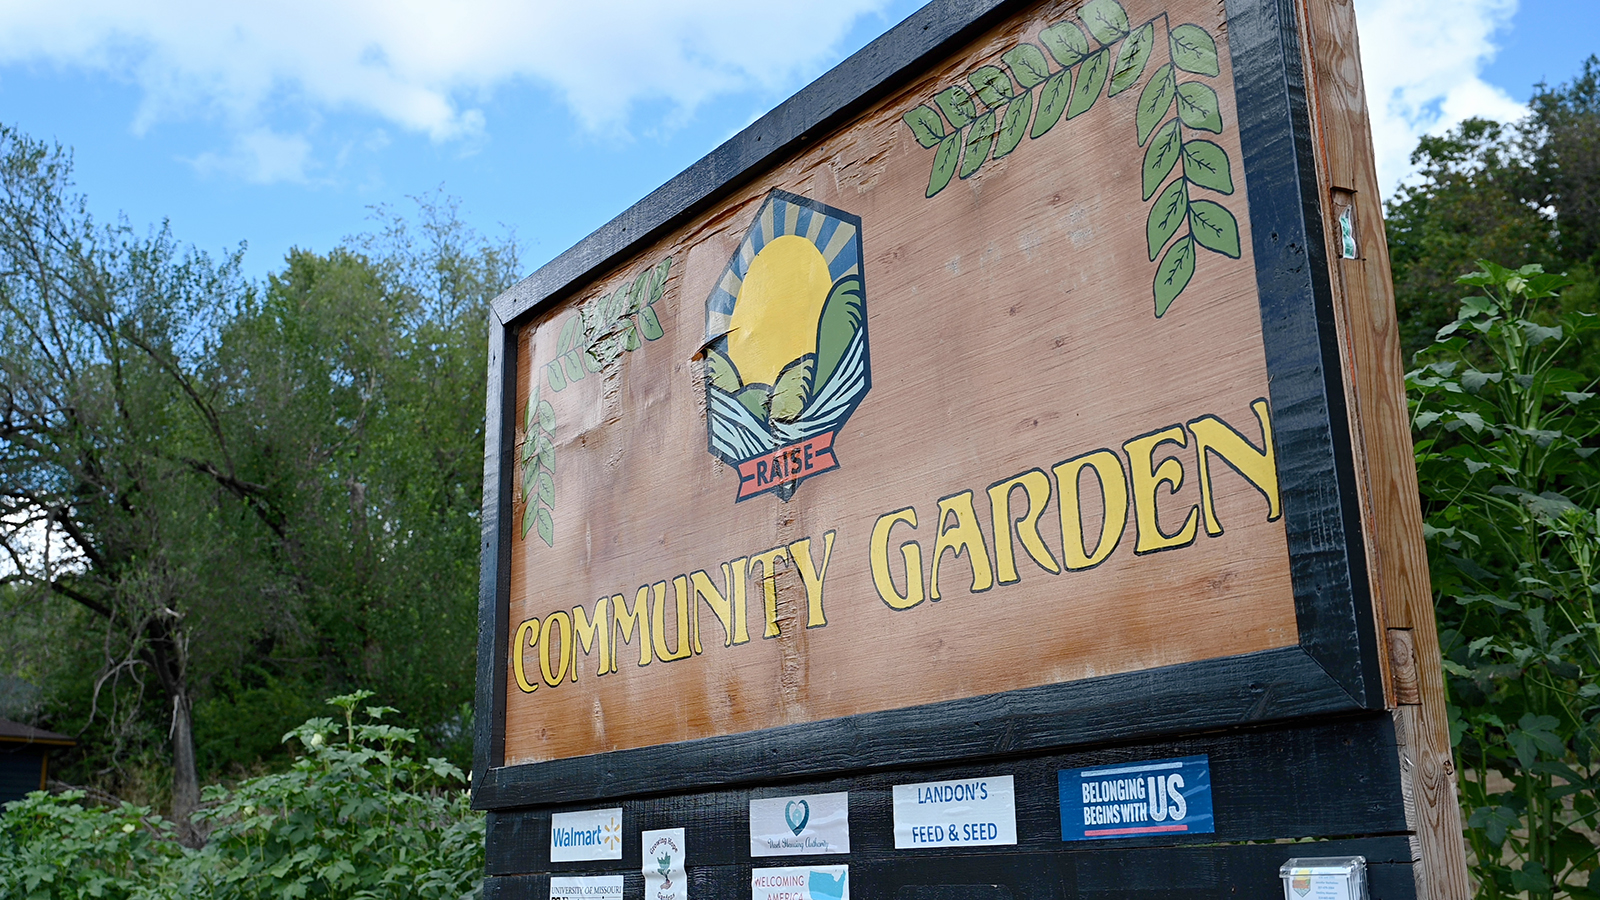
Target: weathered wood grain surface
x: 1012, y: 327
x: 1371, y: 347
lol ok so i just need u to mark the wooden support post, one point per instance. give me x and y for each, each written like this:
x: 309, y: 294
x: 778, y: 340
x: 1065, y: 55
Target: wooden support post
x: 1370, y: 344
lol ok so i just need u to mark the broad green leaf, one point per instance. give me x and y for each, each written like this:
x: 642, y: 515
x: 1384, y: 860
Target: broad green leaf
x: 1091, y: 79
x: 721, y: 372
x: 547, y: 528
x: 658, y: 281
x: 1166, y: 215
x: 1107, y: 20
x: 992, y: 85
x: 553, y: 375
x: 1066, y: 43
x: 956, y: 104
x: 793, y: 389
x: 529, y: 514
x: 1052, y: 101
x: 547, y: 459
x: 1198, y: 107
x: 1131, y: 59
x: 547, y: 416
x: 630, y: 335
x: 542, y: 441
x: 1154, y: 101
x: 649, y: 325
x: 1193, y: 50
x: 569, y: 334
x: 547, y: 488
x: 1014, y: 125
x: 594, y: 356
x: 1206, y: 165
x: 530, y: 479
x: 1027, y: 64
x: 944, y: 162
x: 843, y: 314
x: 572, y: 366
x: 925, y: 124
x: 1214, y: 227
x: 980, y: 137
x: 1162, y: 154
x: 1173, y: 274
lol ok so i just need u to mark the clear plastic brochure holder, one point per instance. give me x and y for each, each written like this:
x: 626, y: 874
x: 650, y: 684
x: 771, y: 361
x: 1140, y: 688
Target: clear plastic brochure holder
x: 1325, y: 878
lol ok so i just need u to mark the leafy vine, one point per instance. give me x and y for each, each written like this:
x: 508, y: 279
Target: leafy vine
x: 596, y: 335
x: 1111, y: 58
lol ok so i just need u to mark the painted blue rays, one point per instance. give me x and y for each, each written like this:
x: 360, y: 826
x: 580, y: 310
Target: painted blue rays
x: 786, y: 352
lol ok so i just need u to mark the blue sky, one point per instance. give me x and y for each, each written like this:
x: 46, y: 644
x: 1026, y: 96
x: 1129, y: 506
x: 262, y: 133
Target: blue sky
x: 281, y: 125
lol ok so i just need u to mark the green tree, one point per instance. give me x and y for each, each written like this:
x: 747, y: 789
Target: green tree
x: 1512, y: 194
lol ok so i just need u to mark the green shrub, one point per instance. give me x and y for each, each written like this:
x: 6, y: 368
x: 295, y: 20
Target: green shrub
x: 1505, y: 446
x: 355, y: 816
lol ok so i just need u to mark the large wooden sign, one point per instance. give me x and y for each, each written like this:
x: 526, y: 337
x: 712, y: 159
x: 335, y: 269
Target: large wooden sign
x: 1024, y: 386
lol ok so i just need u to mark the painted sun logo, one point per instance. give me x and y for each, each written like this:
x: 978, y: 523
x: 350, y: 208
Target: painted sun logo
x: 786, y: 351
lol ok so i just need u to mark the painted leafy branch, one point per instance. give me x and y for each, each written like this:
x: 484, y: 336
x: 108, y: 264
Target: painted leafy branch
x: 1105, y: 55
x: 596, y: 335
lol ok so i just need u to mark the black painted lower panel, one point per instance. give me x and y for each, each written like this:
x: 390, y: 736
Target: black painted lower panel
x: 1217, y: 872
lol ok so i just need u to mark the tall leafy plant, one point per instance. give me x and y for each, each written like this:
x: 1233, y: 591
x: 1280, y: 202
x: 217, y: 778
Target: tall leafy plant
x: 1505, y: 454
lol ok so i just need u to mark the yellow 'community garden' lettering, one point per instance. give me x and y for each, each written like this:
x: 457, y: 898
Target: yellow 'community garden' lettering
x: 1133, y: 480
x: 664, y: 618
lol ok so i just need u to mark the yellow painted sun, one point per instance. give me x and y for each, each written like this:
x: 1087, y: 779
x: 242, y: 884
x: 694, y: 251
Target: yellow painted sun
x: 780, y: 302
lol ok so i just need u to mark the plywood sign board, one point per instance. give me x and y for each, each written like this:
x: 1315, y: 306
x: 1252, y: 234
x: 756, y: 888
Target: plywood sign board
x: 984, y: 398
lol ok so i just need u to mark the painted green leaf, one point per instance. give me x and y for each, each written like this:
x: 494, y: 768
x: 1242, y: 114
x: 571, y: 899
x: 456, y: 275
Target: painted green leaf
x: 1198, y: 107
x: 755, y: 398
x: 547, y: 528
x: 944, y: 162
x: 843, y: 314
x: 1052, y: 101
x: 528, y: 516
x: 956, y: 104
x: 1027, y: 64
x: 925, y: 124
x: 658, y: 282
x: 1162, y: 154
x: 992, y: 85
x: 1107, y: 20
x: 1154, y: 101
x: 593, y: 356
x: 1091, y: 79
x: 572, y: 366
x: 721, y: 372
x: 1166, y: 215
x: 630, y: 336
x: 1214, y: 227
x: 616, y: 304
x: 1131, y: 59
x: 530, y: 480
x: 1206, y: 165
x: 547, y: 459
x: 547, y: 416
x: 569, y: 334
x: 541, y: 442
x: 547, y: 489
x: 553, y: 375
x: 529, y: 412
x: 793, y: 389
x: 1173, y: 274
x: 980, y: 137
x: 649, y: 325
x: 1066, y: 42
x: 1193, y: 50
x: 527, y: 449
x: 1014, y: 125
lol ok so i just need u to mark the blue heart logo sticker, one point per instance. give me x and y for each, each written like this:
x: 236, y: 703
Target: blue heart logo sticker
x: 797, y: 814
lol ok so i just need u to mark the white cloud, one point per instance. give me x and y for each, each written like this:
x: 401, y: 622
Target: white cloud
x: 261, y: 156
x: 418, y: 64
x: 1421, y: 62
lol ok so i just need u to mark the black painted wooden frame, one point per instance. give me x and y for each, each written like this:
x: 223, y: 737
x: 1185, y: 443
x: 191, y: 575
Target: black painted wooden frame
x: 1334, y: 669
